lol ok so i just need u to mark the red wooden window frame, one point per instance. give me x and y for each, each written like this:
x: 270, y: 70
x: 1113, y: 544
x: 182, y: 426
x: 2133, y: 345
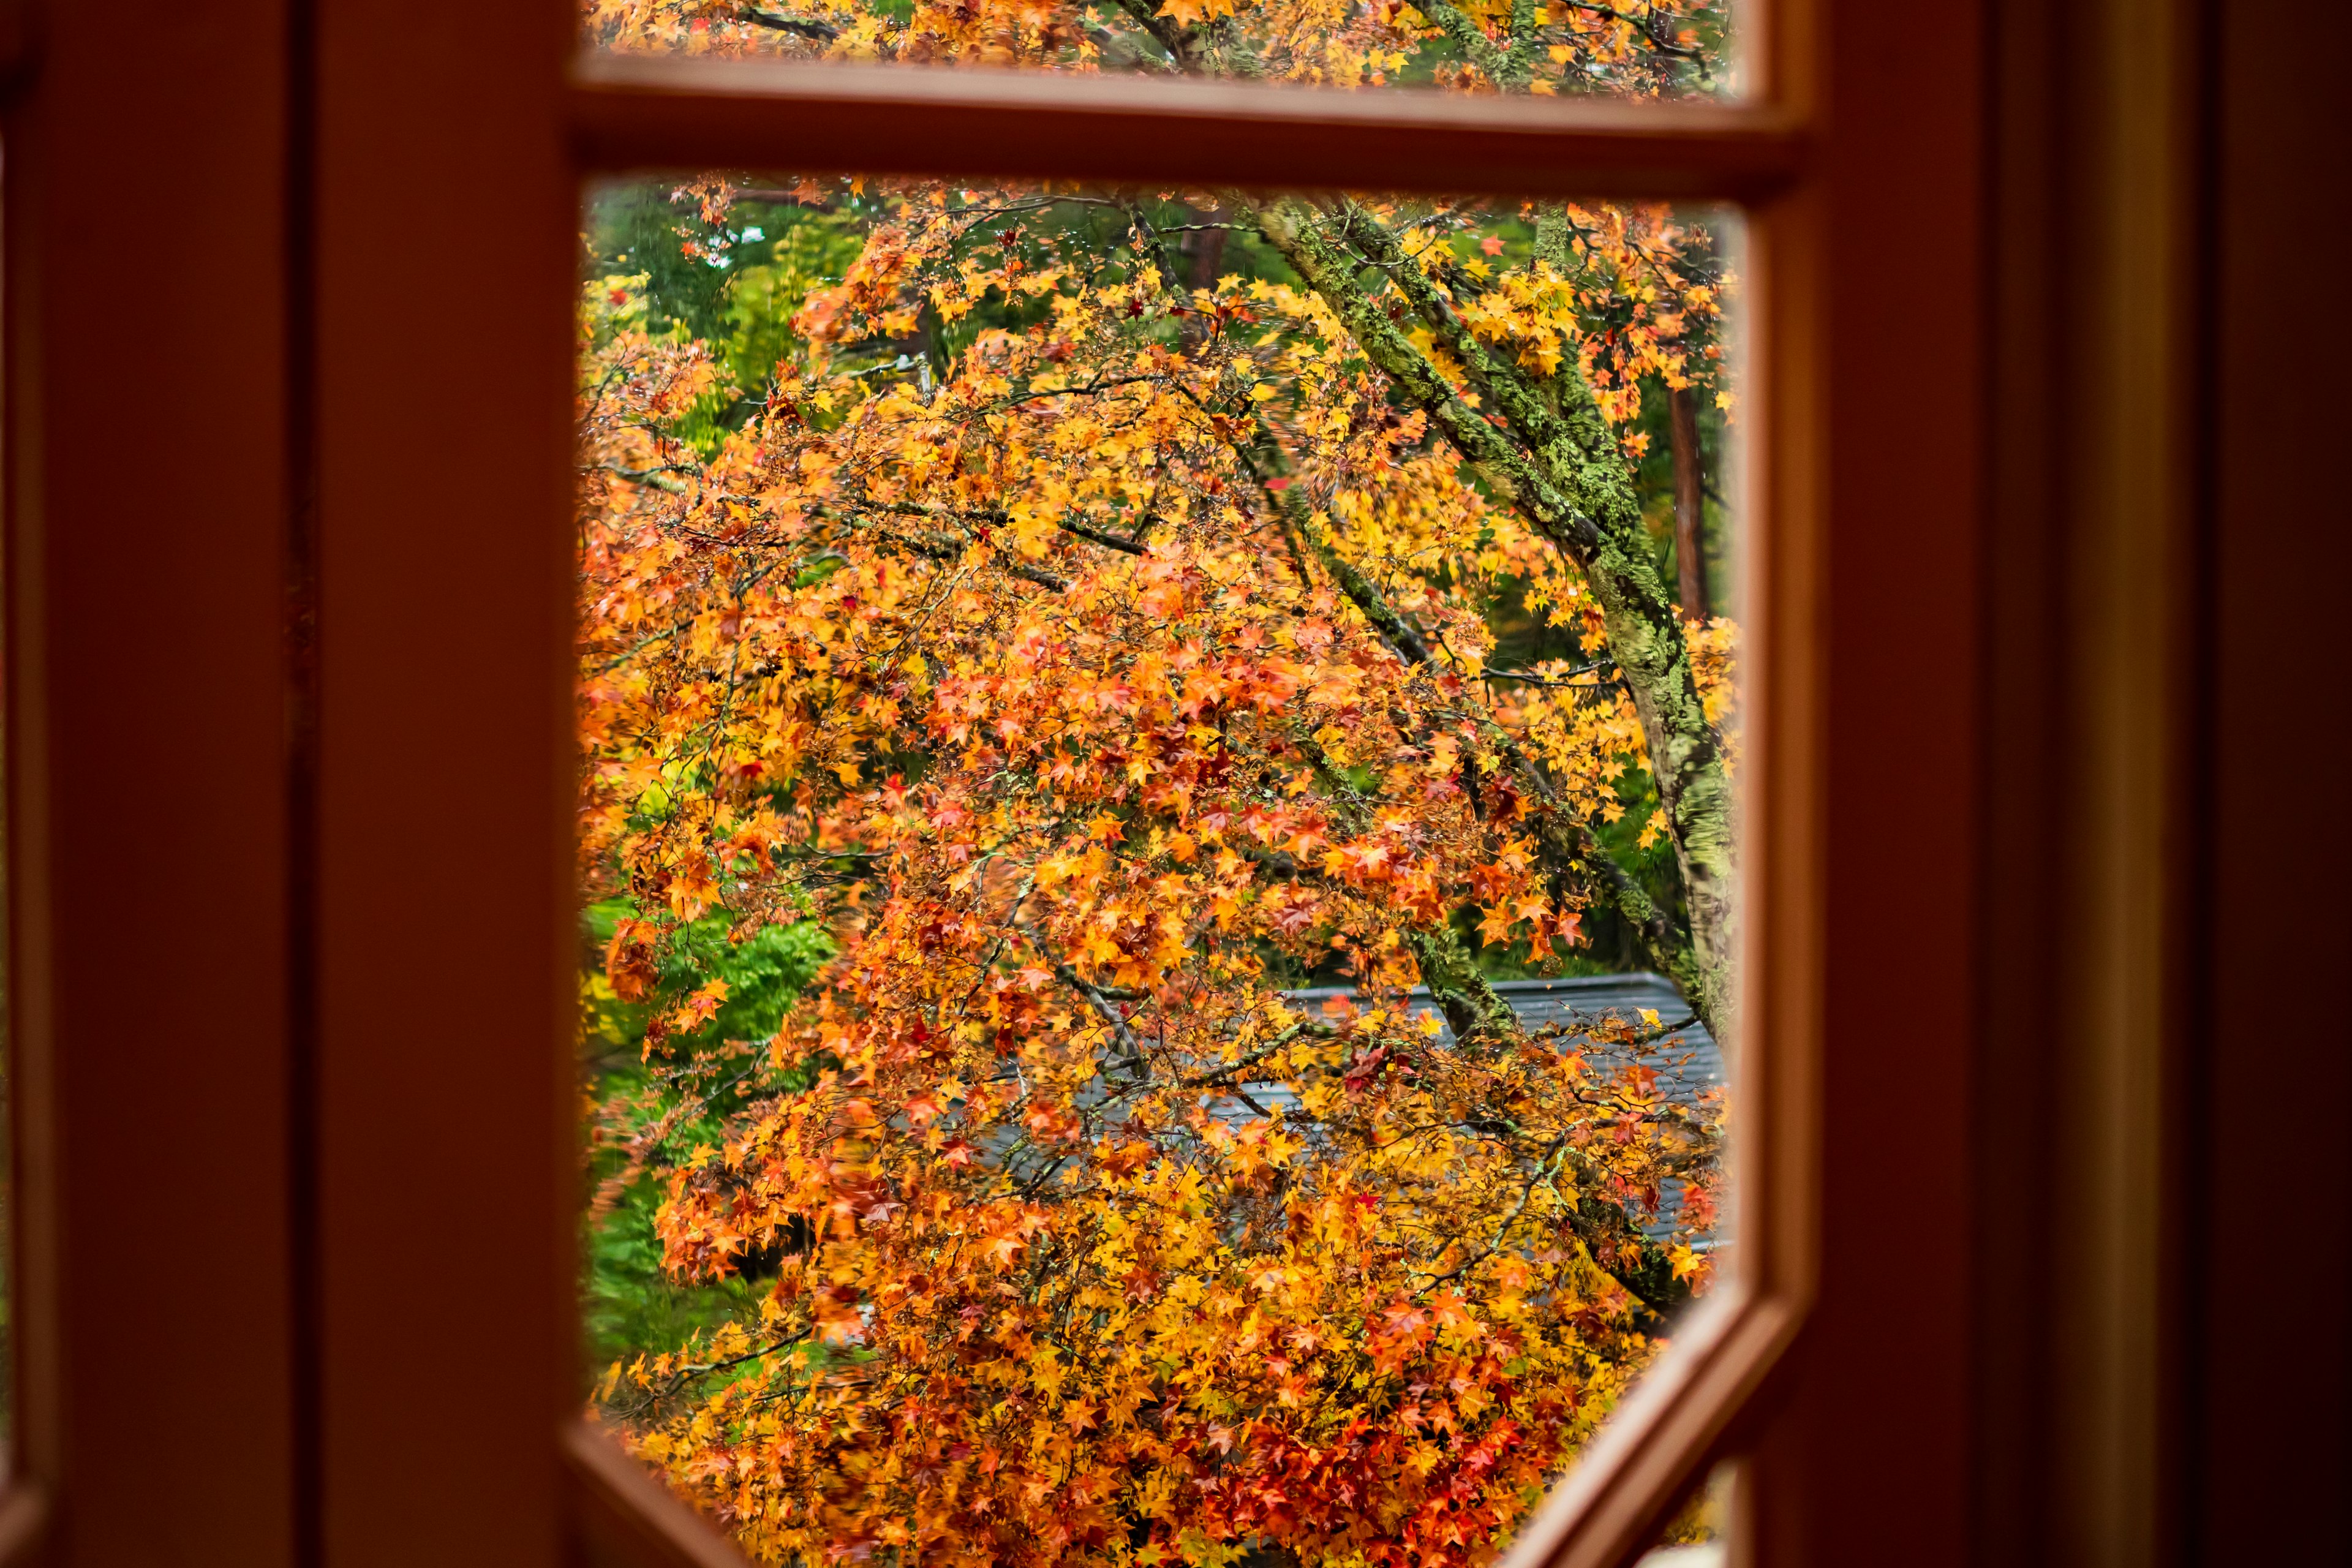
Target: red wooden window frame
x: 638, y: 114
x: 305, y: 690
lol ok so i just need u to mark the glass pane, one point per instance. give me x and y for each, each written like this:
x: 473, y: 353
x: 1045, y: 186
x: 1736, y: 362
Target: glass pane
x: 1524, y: 47
x: 1142, y: 998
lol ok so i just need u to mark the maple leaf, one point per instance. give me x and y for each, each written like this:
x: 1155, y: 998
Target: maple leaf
x: 700, y: 1008
x: 629, y: 960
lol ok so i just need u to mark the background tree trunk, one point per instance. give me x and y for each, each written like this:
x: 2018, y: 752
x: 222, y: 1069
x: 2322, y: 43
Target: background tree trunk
x: 1546, y: 448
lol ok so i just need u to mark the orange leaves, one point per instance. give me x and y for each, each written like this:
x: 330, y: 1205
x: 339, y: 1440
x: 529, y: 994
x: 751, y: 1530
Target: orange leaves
x: 1005, y: 661
x: 1126, y: 1159
x: 836, y: 1312
x: 1065, y: 1327
x: 629, y: 965
x: 1191, y: 12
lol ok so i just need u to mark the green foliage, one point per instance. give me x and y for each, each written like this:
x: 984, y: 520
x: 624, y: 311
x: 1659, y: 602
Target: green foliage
x: 1655, y: 477
x: 629, y: 1306
x: 763, y: 974
x: 735, y: 286
x: 808, y: 250
x: 629, y: 1303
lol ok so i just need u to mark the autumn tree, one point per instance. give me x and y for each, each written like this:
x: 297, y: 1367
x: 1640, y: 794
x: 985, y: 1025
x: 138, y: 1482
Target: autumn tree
x: 1085, y: 616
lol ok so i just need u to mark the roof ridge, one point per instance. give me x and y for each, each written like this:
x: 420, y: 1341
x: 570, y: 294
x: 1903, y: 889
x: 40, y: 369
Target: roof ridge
x: 1645, y: 978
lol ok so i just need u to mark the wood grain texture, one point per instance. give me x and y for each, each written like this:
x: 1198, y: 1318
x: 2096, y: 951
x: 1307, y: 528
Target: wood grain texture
x: 146, y: 481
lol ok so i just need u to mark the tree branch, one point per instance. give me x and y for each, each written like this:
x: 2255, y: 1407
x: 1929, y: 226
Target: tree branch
x: 1293, y: 226
x: 801, y: 26
x: 1471, y: 40
x: 1266, y: 461
x: 1183, y: 48
x: 1626, y: 1256
x: 1581, y: 498
x: 1272, y: 1047
x: 1130, y: 1051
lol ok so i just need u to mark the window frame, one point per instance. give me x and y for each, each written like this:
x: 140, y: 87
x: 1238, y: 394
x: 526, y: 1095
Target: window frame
x: 407, y: 807
x: 636, y: 115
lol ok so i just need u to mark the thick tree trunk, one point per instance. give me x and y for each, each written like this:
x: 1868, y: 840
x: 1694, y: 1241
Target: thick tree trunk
x: 1690, y: 559
x: 1550, y: 452
x: 1560, y: 839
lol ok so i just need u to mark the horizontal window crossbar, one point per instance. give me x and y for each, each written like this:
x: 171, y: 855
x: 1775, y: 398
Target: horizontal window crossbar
x: 648, y: 113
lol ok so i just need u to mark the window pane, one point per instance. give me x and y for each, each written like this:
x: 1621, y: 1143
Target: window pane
x: 1142, y: 999
x: 1527, y: 47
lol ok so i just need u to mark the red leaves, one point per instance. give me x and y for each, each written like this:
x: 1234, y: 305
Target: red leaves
x: 1362, y: 1069
x: 1075, y: 1275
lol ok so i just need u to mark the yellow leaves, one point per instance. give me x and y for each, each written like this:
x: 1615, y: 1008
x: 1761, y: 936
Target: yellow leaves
x: 1047, y: 1372
x: 1032, y: 533
x: 700, y: 1008
x: 1083, y: 1190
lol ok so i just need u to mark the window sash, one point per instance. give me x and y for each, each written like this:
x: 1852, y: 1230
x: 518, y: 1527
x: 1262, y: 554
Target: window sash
x: 640, y: 113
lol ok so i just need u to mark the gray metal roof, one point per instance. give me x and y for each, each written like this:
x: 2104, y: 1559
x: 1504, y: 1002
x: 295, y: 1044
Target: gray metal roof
x: 1686, y: 1059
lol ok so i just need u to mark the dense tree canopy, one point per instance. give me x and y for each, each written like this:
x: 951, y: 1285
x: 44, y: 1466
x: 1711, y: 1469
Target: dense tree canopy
x: 1049, y: 625
x: 1509, y: 45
